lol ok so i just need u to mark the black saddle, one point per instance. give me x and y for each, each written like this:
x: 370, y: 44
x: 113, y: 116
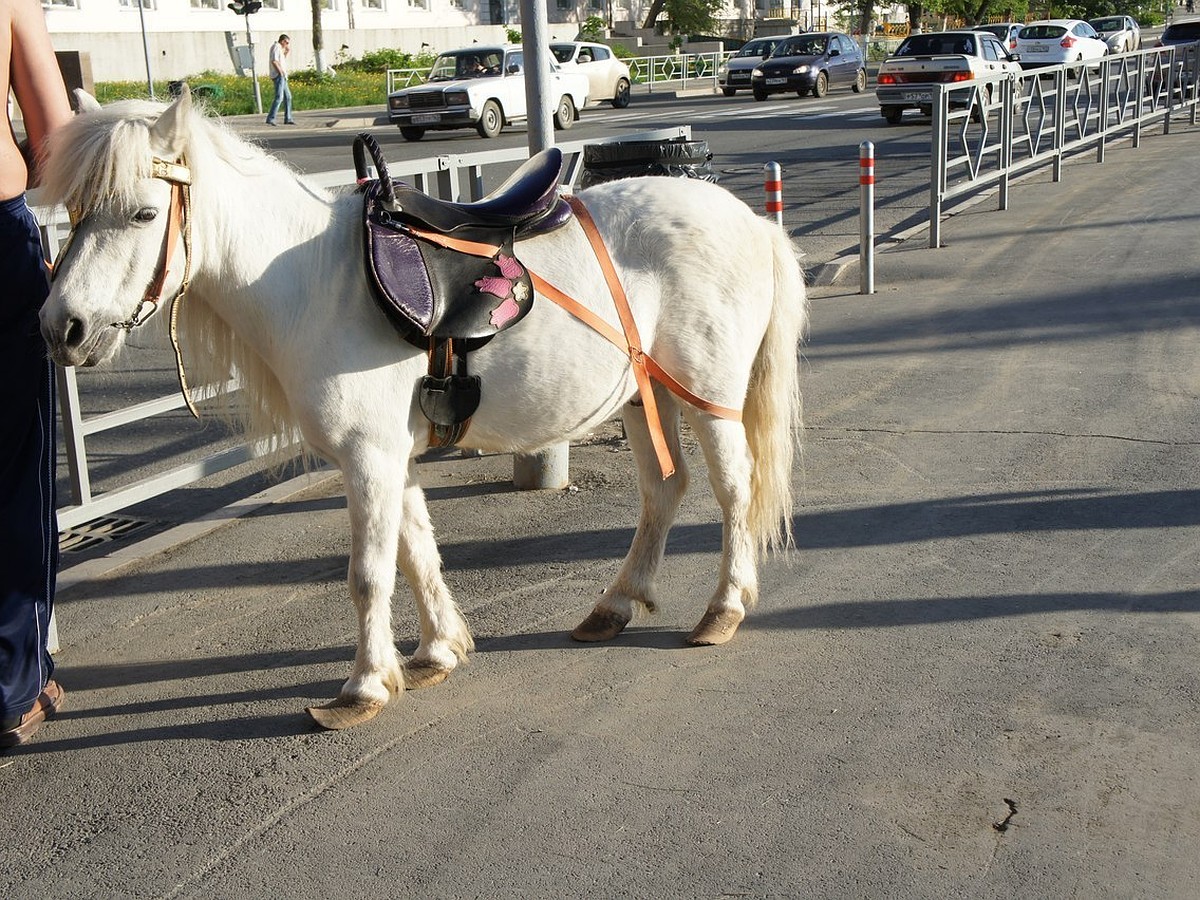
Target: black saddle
x: 446, y: 274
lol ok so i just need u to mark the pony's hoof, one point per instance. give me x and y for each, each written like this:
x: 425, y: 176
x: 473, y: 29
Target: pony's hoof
x: 716, y: 628
x: 343, y: 713
x: 600, y: 625
x: 424, y: 674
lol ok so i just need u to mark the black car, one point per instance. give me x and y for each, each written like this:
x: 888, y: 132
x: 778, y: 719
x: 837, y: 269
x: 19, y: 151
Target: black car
x: 810, y: 63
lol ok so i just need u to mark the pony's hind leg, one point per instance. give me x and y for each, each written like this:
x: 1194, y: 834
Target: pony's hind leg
x: 728, y: 457
x: 634, y: 584
x: 445, y: 638
x: 374, y: 497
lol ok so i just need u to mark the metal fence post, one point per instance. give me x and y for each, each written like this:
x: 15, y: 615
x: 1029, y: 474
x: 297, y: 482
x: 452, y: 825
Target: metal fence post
x: 866, y: 218
x: 937, y: 166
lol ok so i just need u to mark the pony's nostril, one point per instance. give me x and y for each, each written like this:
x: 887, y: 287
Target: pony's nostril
x: 74, y: 333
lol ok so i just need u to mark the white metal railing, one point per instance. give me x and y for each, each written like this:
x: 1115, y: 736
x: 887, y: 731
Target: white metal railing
x: 458, y: 177
x: 989, y: 130
x: 676, y: 69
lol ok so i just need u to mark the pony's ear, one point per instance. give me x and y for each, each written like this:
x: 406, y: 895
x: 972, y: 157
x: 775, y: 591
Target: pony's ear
x: 167, y: 132
x: 85, y: 102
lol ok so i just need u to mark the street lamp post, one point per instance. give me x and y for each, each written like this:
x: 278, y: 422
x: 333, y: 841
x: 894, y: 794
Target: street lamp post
x: 248, y: 8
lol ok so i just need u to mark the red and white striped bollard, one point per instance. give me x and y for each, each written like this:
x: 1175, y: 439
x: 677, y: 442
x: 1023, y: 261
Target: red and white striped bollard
x: 774, y: 189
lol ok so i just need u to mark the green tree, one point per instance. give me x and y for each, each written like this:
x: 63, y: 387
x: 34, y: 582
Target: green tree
x: 971, y: 12
x: 686, y: 16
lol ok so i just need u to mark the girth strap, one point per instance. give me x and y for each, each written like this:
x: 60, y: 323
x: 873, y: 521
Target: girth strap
x: 645, y: 367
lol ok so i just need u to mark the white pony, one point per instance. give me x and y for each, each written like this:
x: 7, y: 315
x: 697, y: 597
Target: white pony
x: 278, y: 294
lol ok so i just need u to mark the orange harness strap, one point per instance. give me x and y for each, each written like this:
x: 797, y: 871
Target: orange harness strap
x: 644, y: 366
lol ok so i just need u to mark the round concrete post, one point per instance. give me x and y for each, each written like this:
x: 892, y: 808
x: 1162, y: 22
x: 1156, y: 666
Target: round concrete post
x: 548, y: 469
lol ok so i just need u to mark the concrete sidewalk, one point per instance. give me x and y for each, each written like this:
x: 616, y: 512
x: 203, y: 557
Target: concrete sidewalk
x: 978, y: 676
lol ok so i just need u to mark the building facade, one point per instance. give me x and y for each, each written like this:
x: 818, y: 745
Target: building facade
x: 180, y: 38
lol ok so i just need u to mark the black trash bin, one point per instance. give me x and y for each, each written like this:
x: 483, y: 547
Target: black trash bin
x: 678, y: 158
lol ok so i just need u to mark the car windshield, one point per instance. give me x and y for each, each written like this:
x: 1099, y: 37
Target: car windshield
x: 806, y: 46
x: 1183, y: 31
x: 1041, y: 32
x: 470, y: 64
x: 1113, y: 23
x: 1000, y: 31
x: 933, y: 44
x: 757, y: 48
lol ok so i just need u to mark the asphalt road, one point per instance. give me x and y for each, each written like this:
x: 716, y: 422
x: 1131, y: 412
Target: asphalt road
x: 815, y: 142
x: 977, y: 677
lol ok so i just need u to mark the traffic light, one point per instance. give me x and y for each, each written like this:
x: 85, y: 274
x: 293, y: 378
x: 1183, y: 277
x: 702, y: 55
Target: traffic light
x: 245, y: 7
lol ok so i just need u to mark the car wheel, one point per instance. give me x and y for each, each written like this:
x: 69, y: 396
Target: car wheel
x: 412, y: 132
x: 860, y: 81
x: 621, y: 97
x: 821, y: 85
x: 891, y: 114
x: 564, y: 116
x: 728, y: 92
x: 491, y: 120
x: 760, y: 94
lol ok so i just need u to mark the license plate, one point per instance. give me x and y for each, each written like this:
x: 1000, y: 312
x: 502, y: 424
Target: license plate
x: 1038, y: 48
x: 776, y: 81
x: 918, y: 96
x: 426, y: 118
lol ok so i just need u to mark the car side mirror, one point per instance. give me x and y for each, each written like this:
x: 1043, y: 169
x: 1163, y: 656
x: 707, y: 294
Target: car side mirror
x: 1014, y: 57
x: 835, y: 52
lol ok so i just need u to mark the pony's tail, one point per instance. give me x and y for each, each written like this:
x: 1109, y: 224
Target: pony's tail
x: 772, y: 413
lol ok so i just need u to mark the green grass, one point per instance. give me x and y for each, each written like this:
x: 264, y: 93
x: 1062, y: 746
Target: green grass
x: 229, y: 95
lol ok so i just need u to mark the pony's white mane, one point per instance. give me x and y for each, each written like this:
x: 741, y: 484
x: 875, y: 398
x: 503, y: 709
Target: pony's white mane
x: 97, y: 160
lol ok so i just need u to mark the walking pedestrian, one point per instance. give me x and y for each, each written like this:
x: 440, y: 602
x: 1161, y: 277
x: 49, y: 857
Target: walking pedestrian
x: 28, y: 524
x: 279, y: 77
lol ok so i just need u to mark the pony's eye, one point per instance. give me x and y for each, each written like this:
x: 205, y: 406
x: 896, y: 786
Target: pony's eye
x: 146, y: 214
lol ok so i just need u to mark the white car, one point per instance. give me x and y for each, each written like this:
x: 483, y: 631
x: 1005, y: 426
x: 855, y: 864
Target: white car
x: 608, y: 77
x: 734, y: 74
x: 1121, y: 33
x: 1056, y: 41
x: 481, y: 87
x: 1005, y: 31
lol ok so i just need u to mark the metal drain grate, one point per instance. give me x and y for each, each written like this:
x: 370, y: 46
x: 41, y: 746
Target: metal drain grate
x: 97, y: 531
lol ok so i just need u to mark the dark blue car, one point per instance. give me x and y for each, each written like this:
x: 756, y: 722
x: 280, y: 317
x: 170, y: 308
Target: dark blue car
x: 810, y: 64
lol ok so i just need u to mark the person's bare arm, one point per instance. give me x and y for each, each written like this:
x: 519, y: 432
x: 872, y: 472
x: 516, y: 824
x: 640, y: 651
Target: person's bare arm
x: 35, y: 76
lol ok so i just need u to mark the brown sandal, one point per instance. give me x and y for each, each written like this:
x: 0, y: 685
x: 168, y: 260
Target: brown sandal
x: 46, y: 706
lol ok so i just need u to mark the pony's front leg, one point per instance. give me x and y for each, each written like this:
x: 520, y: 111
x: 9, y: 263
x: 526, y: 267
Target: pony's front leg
x: 634, y: 584
x: 445, y: 638
x: 375, y: 499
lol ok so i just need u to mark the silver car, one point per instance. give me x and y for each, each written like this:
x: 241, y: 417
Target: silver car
x: 734, y: 73
x: 1121, y: 33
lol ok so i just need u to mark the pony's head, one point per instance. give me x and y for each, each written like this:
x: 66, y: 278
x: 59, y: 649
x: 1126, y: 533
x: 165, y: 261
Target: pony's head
x: 121, y: 172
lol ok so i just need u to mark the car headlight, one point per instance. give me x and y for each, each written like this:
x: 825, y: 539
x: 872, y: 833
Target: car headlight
x: 457, y: 98
x: 800, y: 70
x: 757, y: 73
x: 398, y: 102
x: 722, y: 70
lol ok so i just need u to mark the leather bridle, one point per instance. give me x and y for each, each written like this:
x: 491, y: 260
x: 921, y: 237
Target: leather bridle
x: 179, y: 225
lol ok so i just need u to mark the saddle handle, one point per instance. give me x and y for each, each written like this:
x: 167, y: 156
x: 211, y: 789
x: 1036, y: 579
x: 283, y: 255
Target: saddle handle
x: 364, y: 144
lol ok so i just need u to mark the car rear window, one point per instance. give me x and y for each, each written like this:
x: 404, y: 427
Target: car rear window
x: 1183, y: 31
x: 1041, y: 32
x: 1114, y: 24
x: 933, y: 44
